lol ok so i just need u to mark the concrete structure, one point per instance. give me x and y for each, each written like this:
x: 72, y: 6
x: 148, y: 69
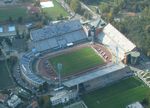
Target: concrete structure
x: 51, y: 38
x: 135, y: 105
x: 58, y: 35
x: 63, y: 97
x: 46, y: 3
x: 26, y: 70
x: 3, y: 97
x: 14, y: 101
x: 113, y: 39
x: 100, y: 77
x: 8, y: 31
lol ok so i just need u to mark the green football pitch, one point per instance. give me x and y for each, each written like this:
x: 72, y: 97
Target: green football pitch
x: 77, y: 61
x: 118, y: 95
x: 56, y: 11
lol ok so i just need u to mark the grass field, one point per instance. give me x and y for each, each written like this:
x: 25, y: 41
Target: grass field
x: 13, y: 12
x: 5, y: 80
x: 56, y: 11
x: 117, y: 95
x: 77, y: 61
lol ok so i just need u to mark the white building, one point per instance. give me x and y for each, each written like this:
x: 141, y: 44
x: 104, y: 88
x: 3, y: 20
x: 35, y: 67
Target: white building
x: 14, y: 101
x: 115, y: 40
x: 46, y: 4
x: 135, y: 105
x: 63, y: 97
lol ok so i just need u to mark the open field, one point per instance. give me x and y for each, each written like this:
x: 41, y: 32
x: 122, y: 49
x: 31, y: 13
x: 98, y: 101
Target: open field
x: 56, y: 11
x: 77, y: 61
x: 5, y: 80
x: 117, y: 95
x: 13, y: 12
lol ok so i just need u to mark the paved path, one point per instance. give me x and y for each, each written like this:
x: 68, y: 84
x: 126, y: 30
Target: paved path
x: 144, y: 76
x: 95, y: 16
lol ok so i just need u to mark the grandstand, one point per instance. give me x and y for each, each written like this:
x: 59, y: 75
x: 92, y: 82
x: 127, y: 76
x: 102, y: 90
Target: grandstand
x: 26, y: 70
x: 58, y: 35
x: 113, y: 39
x: 100, y: 77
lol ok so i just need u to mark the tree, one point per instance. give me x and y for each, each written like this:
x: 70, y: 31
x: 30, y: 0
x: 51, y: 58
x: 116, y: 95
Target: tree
x: 75, y: 6
x: 45, y: 86
x: 10, y: 19
x: 20, y: 19
x: 104, y: 8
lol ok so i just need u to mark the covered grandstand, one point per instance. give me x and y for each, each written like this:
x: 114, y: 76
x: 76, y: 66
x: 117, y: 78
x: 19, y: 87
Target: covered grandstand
x: 58, y: 35
x: 26, y: 70
x: 115, y: 41
x: 100, y: 76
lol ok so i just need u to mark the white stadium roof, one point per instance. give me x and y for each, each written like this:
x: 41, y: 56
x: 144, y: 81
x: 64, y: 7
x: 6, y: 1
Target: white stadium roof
x: 119, y: 38
x: 46, y: 4
x: 114, y: 39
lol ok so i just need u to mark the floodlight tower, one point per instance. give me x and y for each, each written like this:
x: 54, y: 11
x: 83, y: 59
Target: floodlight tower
x: 117, y: 56
x: 93, y: 32
x: 59, y: 68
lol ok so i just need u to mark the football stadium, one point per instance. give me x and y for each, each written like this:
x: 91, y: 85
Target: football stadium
x: 67, y: 55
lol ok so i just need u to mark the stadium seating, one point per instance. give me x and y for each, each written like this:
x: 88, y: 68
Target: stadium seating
x: 57, y: 35
x: 27, y: 71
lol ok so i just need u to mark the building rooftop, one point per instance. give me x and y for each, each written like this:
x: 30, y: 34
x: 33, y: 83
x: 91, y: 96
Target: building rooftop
x: 135, y: 105
x: 11, y: 28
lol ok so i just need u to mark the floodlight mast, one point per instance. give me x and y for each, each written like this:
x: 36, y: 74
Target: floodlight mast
x: 59, y: 68
x: 117, y: 51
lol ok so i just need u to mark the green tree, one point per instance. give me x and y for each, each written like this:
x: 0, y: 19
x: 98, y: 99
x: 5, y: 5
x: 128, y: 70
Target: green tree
x: 104, y: 7
x: 75, y: 6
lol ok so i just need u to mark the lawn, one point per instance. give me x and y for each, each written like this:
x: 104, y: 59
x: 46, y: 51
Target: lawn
x: 13, y: 12
x: 56, y: 11
x: 77, y: 61
x: 5, y: 79
x: 117, y: 95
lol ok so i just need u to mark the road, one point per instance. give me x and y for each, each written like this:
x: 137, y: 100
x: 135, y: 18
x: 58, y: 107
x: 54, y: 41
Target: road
x: 95, y: 16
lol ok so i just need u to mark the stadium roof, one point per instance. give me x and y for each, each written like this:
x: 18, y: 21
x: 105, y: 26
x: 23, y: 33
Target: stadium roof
x: 118, y: 38
x: 116, y: 41
x: 92, y: 75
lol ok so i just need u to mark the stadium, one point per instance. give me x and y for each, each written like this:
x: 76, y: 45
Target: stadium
x: 64, y: 54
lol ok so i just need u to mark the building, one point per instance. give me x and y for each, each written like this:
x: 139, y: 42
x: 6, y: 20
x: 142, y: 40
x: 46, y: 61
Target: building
x: 14, y: 101
x: 46, y: 3
x: 99, y: 77
x: 8, y: 31
x: 3, y: 97
x: 26, y: 70
x: 115, y: 41
x: 63, y: 97
x: 135, y: 105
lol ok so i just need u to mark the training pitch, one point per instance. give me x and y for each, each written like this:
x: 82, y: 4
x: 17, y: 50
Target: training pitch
x: 118, y: 95
x: 56, y: 11
x: 77, y: 61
